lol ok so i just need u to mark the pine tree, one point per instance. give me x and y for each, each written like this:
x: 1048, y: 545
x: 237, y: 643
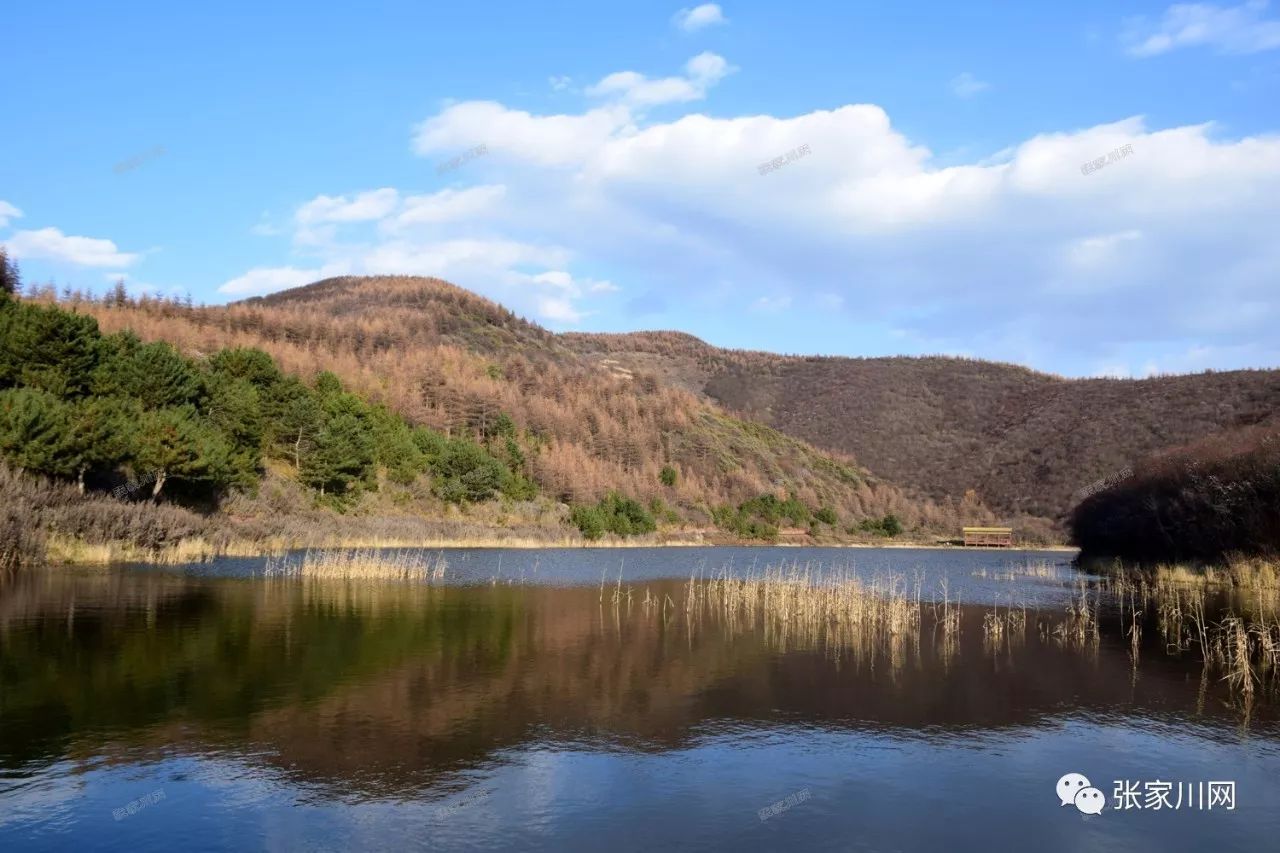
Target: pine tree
x: 48, y: 348
x: 10, y: 279
x: 174, y: 443
x: 342, y: 456
x: 292, y: 419
x: 234, y: 410
x: 34, y: 430
x: 155, y: 374
x: 101, y: 435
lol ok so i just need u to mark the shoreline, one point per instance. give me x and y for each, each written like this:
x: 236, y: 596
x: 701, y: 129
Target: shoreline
x: 196, y: 550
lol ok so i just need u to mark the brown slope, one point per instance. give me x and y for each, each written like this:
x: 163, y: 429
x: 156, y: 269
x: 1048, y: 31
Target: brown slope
x: 452, y: 360
x: 1026, y: 442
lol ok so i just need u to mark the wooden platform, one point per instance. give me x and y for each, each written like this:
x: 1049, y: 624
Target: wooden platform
x: 988, y: 537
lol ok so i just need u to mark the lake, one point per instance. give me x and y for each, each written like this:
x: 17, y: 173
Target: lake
x: 575, y: 700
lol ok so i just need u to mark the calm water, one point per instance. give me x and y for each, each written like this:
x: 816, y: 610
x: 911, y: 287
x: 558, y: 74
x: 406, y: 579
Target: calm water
x: 516, y: 707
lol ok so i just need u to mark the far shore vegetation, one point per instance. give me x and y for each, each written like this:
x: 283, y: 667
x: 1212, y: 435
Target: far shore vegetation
x: 1207, y: 513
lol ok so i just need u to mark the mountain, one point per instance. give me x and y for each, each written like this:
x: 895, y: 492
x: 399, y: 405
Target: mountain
x: 447, y: 359
x: 937, y: 441
x: 1024, y: 442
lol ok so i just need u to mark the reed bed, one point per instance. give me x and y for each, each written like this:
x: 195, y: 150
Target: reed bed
x: 1241, y: 646
x: 364, y: 564
x: 1007, y: 628
x: 1079, y: 627
x: 808, y: 606
x: 1029, y: 569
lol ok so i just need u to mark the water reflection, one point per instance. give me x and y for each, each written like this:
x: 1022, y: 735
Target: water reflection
x: 414, y: 693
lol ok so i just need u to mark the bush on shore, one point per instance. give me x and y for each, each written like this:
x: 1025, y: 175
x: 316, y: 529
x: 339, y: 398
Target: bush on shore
x: 1200, y: 503
x: 615, y: 514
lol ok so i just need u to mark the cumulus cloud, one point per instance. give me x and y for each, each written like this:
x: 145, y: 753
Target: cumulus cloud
x: 868, y: 226
x: 555, y: 140
x: 699, y: 17
x: 868, y: 220
x: 446, y: 206
x: 52, y: 245
x: 263, y: 280
x: 1228, y: 29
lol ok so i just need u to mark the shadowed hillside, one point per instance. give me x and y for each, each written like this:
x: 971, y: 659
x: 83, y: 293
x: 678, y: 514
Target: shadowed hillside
x: 1213, y: 500
x: 1024, y: 442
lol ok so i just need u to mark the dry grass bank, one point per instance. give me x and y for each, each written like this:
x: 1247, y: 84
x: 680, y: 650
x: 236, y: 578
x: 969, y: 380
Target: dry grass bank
x: 1235, y: 571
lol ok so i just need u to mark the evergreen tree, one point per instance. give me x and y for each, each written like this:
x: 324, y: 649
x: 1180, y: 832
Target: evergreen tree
x: 291, y: 419
x: 48, y: 348
x: 10, y: 279
x: 342, y: 455
x: 175, y: 443
x: 328, y: 384
x: 234, y: 409
x: 465, y: 471
x: 395, y: 447
x: 101, y: 435
x: 34, y: 430
x: 252, y: 365
x: 155, y: 374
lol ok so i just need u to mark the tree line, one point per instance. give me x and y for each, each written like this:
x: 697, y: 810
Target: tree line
x: 93, y: 408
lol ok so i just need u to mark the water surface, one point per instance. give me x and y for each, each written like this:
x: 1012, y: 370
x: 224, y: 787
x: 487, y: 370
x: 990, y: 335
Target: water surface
x: 515, y: 705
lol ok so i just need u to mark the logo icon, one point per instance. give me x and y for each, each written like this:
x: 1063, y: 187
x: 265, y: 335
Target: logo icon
x: 1075, y: 789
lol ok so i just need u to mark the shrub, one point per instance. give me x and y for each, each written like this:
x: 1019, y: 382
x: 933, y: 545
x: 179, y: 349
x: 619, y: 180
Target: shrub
x: 614, y: 514
x: 589, y: 520
x: 889, y: 526
x: 667, y: 476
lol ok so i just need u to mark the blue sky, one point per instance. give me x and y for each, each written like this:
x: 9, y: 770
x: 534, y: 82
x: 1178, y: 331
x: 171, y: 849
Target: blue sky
x: 934, y: 198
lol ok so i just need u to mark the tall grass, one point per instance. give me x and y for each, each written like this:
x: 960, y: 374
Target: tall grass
x: 808, y: 606
x: 343, y: 564
x: 1241, y: 646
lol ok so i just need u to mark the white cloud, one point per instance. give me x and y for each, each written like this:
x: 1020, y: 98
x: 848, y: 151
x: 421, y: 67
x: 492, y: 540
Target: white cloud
x: 703, y: 71
x: 7, y: 212
x: 361, y: 207
x: 447, y: 205
x: 558, y: 309
x: 867, y: 219
x: 51, y: 244
x: 557, y: 140
x: 559, y: 82
x: 1228, y: 29
x: 699, y: 17
x: 965, y: 85
x: 868, y: 223
x: 458, y: 257
x: 263, y: 280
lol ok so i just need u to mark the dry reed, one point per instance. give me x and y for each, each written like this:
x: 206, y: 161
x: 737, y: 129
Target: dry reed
x: 361, y: 564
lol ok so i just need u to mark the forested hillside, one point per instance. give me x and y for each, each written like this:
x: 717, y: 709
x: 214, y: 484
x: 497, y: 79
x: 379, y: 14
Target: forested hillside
x: 695, y: 434
x: 624, y: 449
x: 85, y: 407
x: 1024, y: 442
